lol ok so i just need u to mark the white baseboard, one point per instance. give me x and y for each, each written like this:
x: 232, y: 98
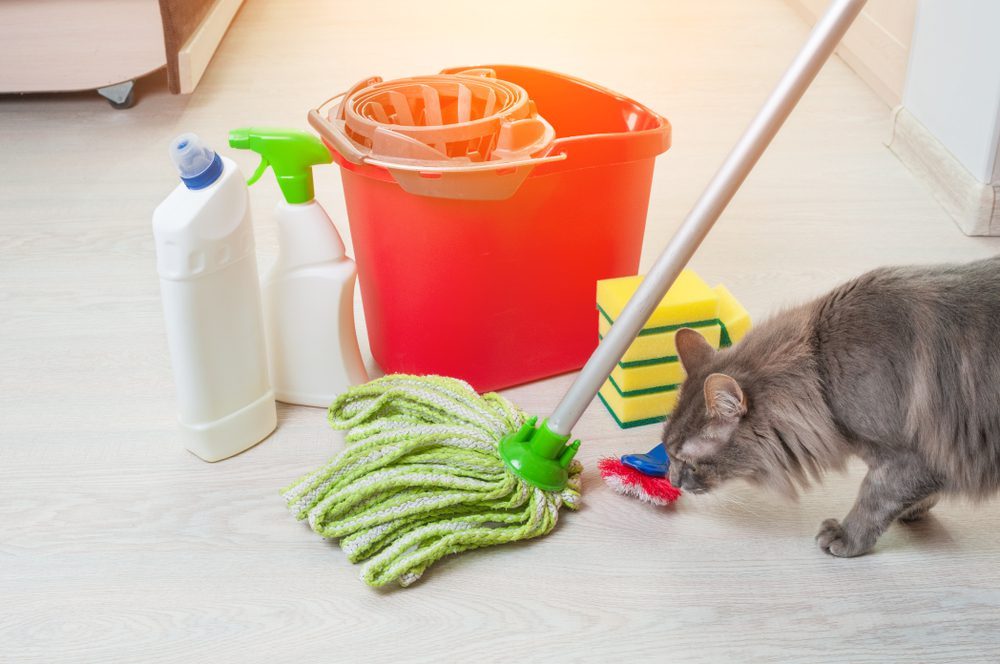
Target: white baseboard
x: 974, y: 205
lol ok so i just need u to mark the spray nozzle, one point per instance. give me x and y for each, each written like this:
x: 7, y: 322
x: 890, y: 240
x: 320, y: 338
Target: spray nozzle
x: 289, y: 152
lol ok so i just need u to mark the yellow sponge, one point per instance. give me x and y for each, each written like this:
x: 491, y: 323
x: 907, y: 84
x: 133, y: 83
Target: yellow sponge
x: 658, y: 345
x: 732, y: 314
x: 637, y: 410
x: 658, y: 372
x: 689, y: 300
x: 646, y: 376
x: 643, y: 386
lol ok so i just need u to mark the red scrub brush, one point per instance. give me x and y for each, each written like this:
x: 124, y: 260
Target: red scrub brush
x: 642, y: 476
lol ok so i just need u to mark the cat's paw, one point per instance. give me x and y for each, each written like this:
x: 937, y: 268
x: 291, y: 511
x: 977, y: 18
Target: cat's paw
x: 833, y: 539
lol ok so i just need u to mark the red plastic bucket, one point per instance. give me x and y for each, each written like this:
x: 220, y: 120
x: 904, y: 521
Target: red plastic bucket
x: 501, y: 292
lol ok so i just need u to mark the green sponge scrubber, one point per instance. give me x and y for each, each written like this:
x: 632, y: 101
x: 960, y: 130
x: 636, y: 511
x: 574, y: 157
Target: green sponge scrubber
x: 421, y: 478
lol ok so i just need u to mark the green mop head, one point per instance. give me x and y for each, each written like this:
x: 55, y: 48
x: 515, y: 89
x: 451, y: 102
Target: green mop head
x: 422, y: 476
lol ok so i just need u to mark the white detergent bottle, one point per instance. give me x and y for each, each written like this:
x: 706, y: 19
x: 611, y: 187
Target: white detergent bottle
x: 211, y: 301
x: 309, y: 293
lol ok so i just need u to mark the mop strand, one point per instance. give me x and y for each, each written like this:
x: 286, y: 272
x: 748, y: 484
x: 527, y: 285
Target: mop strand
x: 421, y: 478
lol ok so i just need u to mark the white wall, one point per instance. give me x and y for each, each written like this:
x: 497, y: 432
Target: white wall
x: 953, y: 80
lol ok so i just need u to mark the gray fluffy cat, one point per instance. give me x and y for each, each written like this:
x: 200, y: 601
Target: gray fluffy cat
x: 900, y: 367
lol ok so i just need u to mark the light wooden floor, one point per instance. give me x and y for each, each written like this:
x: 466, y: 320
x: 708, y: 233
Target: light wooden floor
x: 117, y: 545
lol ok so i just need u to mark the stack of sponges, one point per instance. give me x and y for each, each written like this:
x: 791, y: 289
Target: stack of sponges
x: 643, y: 387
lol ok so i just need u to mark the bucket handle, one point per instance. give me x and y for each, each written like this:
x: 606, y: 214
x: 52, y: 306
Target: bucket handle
x: 339, y: 141
x: 326, y: 129
x: 343, y: 145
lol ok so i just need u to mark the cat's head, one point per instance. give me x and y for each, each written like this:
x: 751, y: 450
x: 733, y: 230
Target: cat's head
x: 705, y: 436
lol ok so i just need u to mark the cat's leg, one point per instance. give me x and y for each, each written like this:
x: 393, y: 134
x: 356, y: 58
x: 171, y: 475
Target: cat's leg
x: 919, y: 510
x: 888, y: 491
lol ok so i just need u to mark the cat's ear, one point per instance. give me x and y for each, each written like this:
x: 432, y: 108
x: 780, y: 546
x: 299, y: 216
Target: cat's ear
x: 693, y: 349
x: 724, y: 397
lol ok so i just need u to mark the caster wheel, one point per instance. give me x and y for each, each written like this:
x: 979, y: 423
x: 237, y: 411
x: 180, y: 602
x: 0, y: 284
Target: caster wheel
x: 119, y: 95
x: 128, y: 102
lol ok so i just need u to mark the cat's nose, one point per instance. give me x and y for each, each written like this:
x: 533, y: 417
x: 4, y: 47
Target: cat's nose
x: 693, y: 486
x: 688, y: 481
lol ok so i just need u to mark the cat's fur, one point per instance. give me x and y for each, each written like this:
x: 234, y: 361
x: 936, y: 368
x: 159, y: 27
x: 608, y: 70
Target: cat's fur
x: 900, y: 367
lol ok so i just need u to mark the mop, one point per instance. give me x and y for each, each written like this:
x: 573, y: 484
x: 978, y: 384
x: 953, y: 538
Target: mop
x: 431, y: 468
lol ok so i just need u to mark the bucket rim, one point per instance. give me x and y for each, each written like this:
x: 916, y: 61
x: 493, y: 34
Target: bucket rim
x: 565, y: 153
x: 663, y: 124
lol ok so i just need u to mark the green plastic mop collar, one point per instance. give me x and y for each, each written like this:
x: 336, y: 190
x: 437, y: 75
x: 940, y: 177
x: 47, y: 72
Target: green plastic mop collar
x: 539, y: 455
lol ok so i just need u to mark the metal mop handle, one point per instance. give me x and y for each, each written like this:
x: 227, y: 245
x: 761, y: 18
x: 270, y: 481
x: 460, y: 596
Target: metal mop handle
x: 821, y: 43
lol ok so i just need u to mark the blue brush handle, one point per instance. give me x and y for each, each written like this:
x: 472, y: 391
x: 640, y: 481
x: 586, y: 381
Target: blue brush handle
x: 654, y: 463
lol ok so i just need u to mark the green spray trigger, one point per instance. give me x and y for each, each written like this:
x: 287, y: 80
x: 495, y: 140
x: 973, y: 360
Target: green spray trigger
x: 290, y: 153
x: 259, y: 172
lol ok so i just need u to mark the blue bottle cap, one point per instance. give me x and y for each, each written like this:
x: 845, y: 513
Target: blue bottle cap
x: 198, y: 165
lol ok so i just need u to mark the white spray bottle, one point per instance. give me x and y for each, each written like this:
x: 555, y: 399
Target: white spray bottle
x: 309, y: 293
x: 211, y: 301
